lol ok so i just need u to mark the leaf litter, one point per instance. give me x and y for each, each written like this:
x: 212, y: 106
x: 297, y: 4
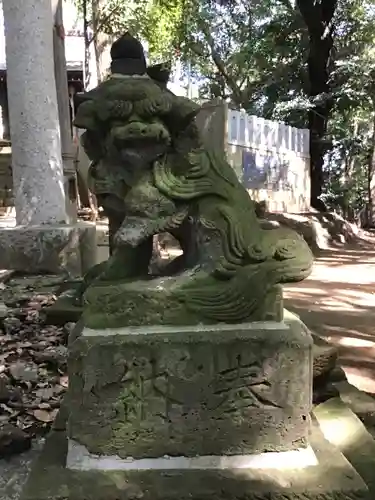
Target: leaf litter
x: 33, y: 361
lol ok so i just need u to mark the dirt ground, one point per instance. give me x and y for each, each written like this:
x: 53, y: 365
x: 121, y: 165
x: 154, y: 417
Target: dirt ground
x: 338, y: 302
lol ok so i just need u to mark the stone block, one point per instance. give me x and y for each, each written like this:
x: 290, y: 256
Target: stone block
x: 147, y: 302
x: 65, y: 309
x: 49, y: 248
x: 332, y: 478
x: 344, y: 430
x: 325, y: 355
x: 191, y: 391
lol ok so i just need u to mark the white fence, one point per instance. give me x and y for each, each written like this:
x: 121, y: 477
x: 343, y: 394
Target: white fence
x: 271, y: 159
x: 254, y: 132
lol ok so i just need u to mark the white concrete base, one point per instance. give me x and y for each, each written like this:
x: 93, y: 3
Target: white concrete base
x: 255, y: 326
x: 79, y: 458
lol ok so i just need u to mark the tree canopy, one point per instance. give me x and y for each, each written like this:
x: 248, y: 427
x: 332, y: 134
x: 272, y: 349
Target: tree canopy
x: 309, y: 63
x: 155, y: 21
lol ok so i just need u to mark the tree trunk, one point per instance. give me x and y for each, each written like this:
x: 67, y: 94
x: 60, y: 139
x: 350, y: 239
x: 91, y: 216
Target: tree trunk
x: 87, y: 45
x: 318, y: 17
x: 100, y: 40
x: 370, y: 216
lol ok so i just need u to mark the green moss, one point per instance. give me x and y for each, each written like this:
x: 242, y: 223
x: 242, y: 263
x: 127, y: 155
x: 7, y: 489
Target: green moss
x: 139, y: 130
x: 115, y: 306
x: 134, y: 304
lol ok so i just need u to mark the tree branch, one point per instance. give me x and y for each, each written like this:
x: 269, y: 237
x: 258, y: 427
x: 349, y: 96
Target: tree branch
x: 102, y: 23
x: 288, y: 4
x: 220, y: 65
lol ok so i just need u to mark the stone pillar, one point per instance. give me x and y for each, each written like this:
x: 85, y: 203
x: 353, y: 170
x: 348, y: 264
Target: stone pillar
x: 38, y: 179
x: 42, y: 241
x: 68, y: 155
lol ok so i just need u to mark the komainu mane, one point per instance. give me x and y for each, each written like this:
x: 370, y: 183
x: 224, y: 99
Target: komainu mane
x: 152, y: 173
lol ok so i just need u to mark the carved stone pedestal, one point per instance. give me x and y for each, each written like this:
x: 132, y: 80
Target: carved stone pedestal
x: 189, y: 414
x: 195, y: 413
x: 190, y: 391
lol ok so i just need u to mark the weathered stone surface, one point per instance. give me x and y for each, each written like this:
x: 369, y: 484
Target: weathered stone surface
x: 361, y: 403
x: 154, y: 302
x: 79, y: 458
x: 324, y: 364
x: 13, y: 440
x: 153, y: 173
x: 332, y: 479
x: 325, y: 354
x: 119, y: 311
x: 344, y: 429
x: 62, y: 311
x: 204, y: 390
x: 36, y: 148
x: 325, y: 357
x: 48, y: 248
x: 65, y: 308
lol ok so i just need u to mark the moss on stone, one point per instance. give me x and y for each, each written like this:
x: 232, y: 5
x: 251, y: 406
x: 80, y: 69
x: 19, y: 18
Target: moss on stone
x: 151, y: 393
x: 133, y: 304
x: 230, y: 281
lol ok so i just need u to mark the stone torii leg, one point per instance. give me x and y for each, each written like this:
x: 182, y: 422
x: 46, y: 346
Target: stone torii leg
x: 42, y: 241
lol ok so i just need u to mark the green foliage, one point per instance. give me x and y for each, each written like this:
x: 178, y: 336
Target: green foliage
x: 246, y: 52
x: 161, y: 29
x: 255, y: 54
x: 352, y: 126
x: 154, y: 21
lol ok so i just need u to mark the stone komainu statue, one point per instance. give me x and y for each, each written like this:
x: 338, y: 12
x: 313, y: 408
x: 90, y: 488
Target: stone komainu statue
x: 152, y: 173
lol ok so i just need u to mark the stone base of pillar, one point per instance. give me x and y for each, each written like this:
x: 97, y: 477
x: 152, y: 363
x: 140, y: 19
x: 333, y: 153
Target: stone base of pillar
x: 69, y: 249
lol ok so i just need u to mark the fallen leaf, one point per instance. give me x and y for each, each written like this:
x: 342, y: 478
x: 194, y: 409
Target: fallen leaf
x: 5, y: 339
x: 26, y: 372
x: 45, y: 416
x: 27, y: 384
x: 25, y: 345
x: 45, y: 394
x: 44, y: 406
x: 5, y: 408
x: 58, y: 389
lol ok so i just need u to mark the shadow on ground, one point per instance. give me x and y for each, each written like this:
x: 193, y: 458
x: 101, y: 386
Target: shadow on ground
x: 338, y: 302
